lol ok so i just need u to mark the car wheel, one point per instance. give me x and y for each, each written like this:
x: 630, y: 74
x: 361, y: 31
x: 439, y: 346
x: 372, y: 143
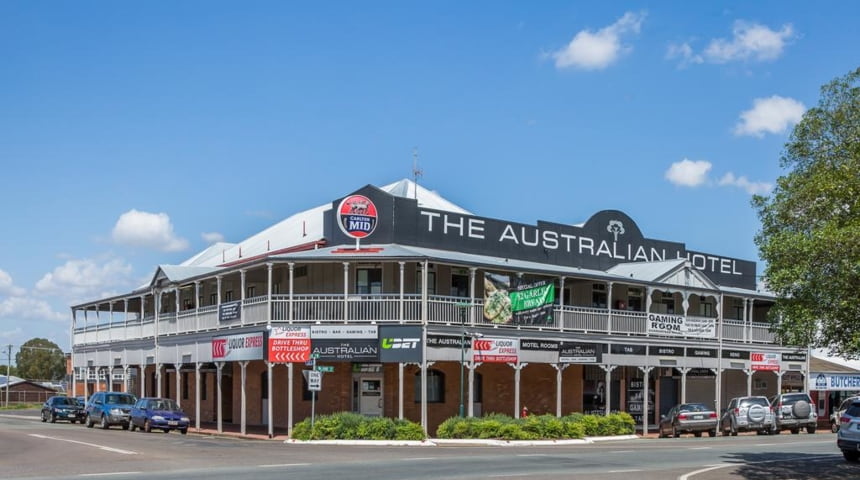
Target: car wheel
x: 834, y: 427
x: 712, y: 433
x: 183, y: 431
x: 146, y: 426
x: 795, y: 431
x: 44, y: 417
x: 104, y: 423
x: 71, y: 420
x: 697, y: 434
x: 53, y: 418
x: 810, y: 429
x: 125, y: 426
x: 734, y: 429
x: 89, y: 421
x: 132, y: 426
x: 851, y: 455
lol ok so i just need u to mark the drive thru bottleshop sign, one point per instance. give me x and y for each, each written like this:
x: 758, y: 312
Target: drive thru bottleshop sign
x: 289, y: 344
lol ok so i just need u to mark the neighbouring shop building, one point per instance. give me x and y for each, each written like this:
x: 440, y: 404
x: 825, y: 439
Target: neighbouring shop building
x: 404, y: 300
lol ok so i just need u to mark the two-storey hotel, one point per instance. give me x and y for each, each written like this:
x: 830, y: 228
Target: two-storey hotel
x: 394, y: 301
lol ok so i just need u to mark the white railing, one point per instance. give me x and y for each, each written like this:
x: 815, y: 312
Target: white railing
x: 442, y: 310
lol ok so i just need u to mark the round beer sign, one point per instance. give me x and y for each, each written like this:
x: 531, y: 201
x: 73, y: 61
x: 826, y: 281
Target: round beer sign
x: 356, y: 216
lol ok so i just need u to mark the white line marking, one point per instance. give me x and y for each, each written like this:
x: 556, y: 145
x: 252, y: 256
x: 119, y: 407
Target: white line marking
x: 624, y: 471
x: 278, y: 465
x: 621, y: 451
x: 765, y: 444
x: 708, y: 469
x: 417, y: 459
x: 105, y: 474
x: 101, y: 447
x: 699, y: 448
x: 533, y: 455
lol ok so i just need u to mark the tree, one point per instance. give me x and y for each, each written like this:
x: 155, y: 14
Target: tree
x: 810, y: 226
x: 40, y: 359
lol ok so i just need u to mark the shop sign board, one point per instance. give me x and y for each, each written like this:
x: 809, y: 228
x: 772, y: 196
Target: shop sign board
x: 230, y: 311
x: 835, y: 381
x: 578, y: 352
x: 681, y: 326
x: 246, y: 346
x: 400, y: 344
x: 289, y: 344
x: 495, y: 350
x: 320, y: 332
x: 768, y: 361
x: 539, y: 345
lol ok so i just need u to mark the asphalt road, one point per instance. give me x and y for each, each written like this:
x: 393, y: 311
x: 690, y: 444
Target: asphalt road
x: 31, y: 449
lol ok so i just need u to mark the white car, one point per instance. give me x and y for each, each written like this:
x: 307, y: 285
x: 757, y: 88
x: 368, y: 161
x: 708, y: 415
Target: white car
x: 848, y: 437
x: 837, y: 414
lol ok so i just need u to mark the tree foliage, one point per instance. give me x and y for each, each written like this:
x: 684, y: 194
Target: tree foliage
x: 40, y: 359
x: 810, y: 226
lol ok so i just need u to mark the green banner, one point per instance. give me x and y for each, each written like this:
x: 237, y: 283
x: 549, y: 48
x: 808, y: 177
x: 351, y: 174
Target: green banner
x: 531, y: 303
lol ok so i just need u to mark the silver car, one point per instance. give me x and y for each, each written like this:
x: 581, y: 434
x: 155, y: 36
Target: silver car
x: 747, y: 414
x: 837, y: 414
x: 692, y: 418
x: 848, y: 436
x: 793, y: 411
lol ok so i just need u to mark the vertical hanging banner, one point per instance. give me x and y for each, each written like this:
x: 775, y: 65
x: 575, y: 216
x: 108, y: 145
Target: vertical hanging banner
x: 522, y: 304
x: 289, y: 344
x: 496, y: 350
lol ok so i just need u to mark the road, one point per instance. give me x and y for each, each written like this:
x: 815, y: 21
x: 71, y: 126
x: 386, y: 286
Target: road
x: 31, y: 450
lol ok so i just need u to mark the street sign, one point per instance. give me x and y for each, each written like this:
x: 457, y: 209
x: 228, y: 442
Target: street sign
x: 315, y: 355
x: 314, y: 380
x: 325, y: 368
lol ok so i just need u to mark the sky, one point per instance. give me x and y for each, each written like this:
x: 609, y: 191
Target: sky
x: 135, y: 134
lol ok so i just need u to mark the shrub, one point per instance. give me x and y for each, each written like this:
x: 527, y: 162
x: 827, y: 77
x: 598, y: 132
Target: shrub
x: 499, y: 426
x: 348, y: 426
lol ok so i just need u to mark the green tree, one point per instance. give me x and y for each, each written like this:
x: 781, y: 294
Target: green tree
x: 810, y: 226
x: 40, y: 359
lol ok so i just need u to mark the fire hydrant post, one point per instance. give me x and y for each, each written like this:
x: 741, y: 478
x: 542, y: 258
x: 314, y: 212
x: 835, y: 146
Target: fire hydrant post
x: 524, y: 413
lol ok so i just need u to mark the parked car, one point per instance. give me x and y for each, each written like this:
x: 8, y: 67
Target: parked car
x: 158, y: 413
x: 835, y: 417
x: 747, y: 414
x: 793, y: 411
x: 62, y: 408
x: 848, y: 436
x: 692, y: 418
x: 109, y: 408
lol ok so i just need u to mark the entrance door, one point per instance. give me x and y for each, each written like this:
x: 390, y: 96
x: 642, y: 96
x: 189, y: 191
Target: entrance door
x: 370, y: 396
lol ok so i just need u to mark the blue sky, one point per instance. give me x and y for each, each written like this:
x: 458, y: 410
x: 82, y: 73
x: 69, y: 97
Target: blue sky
x: 135, y: 134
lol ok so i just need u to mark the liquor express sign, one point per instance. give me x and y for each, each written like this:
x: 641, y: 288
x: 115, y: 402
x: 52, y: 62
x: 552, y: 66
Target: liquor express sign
x: 496, y: 350
x: 248, y: 346
x: 289, y: 344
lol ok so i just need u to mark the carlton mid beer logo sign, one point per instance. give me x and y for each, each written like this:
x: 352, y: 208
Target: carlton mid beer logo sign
x: 357, y: 216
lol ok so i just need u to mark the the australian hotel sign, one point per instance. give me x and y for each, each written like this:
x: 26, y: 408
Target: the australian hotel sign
x: 608, y: 238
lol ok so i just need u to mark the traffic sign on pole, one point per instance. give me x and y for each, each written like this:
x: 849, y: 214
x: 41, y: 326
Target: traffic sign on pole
x: 325, y: 368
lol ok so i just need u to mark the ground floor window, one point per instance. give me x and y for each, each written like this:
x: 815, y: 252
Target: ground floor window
x: 435, y: 387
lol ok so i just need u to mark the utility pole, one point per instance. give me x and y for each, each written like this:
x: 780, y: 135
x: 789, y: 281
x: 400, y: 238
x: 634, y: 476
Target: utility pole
x: 8, y: 370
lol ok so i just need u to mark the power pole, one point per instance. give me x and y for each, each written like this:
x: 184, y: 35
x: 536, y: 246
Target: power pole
x: 8, y: 370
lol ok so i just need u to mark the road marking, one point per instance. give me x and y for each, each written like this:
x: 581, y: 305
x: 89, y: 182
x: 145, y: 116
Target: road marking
x: 625, y: 471
x: 699, y: 448
x: 533, y: 455
x: 101, y: 447
x: 106, y: 474
x: 278, y: 465
x: 417, y: 459
x: 708, y: 469
x: 621, y: 451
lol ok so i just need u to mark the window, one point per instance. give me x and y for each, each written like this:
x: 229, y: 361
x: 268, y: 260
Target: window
x: 228, y: 296
x: 368, y: 281
x: 431, y: 281
x: 634, y: 299
x: 251, y: 291
x: 435, y: 387
x: 213, y: 299
x: 300, y: 271
x: 276, y: 288
x: 668, y: 300
x: 187, y: 304
x: 598, y: 295
x: 459, y: 285
x: 706, y: 309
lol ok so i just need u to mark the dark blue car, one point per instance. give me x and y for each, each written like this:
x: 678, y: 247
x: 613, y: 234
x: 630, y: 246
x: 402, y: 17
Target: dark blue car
x: 158, y: 413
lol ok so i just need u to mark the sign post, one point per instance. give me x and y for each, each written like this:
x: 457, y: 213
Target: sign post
x: 314, y: 379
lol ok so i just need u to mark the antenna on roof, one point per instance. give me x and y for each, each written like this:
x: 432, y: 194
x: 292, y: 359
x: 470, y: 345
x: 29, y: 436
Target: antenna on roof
x: 416, y: 172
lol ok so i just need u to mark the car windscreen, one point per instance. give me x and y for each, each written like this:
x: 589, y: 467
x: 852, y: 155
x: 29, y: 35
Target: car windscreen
x: 789, y: 399
x: 163, y: 404
x: 120, y: 399
x: 63, y: 401
x: 748, y: 402
x: 693, y: 407
x: 853, y: 410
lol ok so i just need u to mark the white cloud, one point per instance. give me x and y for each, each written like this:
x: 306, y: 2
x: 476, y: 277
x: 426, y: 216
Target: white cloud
x: 597, y: 50
x: 770, y: 115
x: 85, y: 278
x: 7, y: 287
x: 212, y: 237
x: 150, y: 230
x: 750, y: 41
x: 29, y: 308
x: 10, y: 334
x: 753, y: 188
x: 685, y: 52
x: 688, y: 173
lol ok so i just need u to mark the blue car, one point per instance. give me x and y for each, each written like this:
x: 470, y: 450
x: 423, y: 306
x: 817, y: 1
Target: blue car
x: 158, y: 413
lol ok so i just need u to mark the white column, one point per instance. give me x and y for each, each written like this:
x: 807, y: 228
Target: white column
x: 779, y: 375
x: 607, y: 387
x: 218, y: 286
x: 72, y: 348
x: 197, y: 395
x: 269, y: 301
x: 684, y: 371
x: 472, y: 366
x: 345, y: 291
x: 126, y: 386
x: 291, y: 280
x: 400, y: 378
x: 749, y: 373
x: 559, y: 367
x: 197, y: 306
x: 645, y: 397
x: 158, y: 380
x: 178, y: 367
x: 242, y: 414
x: 400, y: 317
x: 718, y: 386
x: 609, y: 307
x: 269, y: 366
x: 744, y: 327
x: 752, y: 310
x: 242, y: 296
x: 517, y: 368
x: 561, y: 303
x: 425, y: 266
x: 220, y: 367
x: 472, y: 274
x: 289, y: 399
x: 142, y: 379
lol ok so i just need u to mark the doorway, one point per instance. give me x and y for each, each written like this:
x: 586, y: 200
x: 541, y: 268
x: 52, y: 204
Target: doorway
x: 369, y: 395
